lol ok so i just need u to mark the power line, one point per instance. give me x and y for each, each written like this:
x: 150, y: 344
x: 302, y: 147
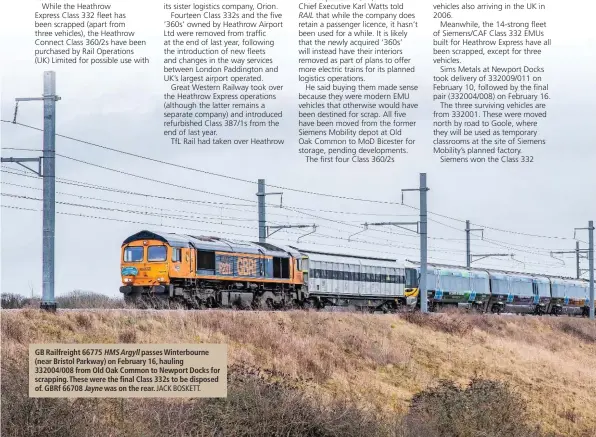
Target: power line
x: 185, y: 200
x: 150, y: 179
x: 130, y: 204
x: 141, y: 194
x: 81, y: 205
x: 271, y: 185
x: 297, y: 210
x: 21, y: 149
x: 176, y: 217
x: 159, y: 161
x: 488, y: 227
x: 236, y: 198
x: 195, y: 229
x: 316, y: 243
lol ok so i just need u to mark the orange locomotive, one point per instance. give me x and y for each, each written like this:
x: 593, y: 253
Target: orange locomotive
x: 209, y: 272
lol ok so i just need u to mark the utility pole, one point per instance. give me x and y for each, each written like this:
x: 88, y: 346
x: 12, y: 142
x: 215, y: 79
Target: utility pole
x: 468, y: 248
x: 261, y: 206
x: 423, y: 231
x: 262, y: 218
x: 590, y: 230
x: 591, y: 266
x: 423, y: 243
x: 46, y: 170
x: 578, y: 267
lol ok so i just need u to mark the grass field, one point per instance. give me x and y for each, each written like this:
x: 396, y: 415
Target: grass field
x: 328, y: 374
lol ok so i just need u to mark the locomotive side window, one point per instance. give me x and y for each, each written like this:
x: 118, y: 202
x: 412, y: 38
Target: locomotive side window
x: 281, y: 267
x: 205, y: 260
x: 157, y: 253
x: 133, y: 254
x: 176, y: 254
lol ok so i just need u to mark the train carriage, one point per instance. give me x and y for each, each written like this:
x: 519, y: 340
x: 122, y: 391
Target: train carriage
x: 450, y: 286
x: 518, y: 293
x: 569, y: 297
x: 362, y: 281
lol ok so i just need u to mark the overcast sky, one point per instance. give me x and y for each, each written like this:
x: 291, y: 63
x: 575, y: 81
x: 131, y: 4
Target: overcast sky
x: 121, y: 107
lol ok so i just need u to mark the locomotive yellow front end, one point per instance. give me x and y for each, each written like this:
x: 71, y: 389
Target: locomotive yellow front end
x: 144, y: 268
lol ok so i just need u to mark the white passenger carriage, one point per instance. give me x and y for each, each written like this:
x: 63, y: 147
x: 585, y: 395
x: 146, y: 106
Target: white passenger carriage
x: 341, y: 280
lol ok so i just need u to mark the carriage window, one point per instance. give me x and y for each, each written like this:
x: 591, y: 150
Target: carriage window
x: 133, y: 254
x: 156, y: 253
x: 176, y: 254
x: 479, y: 284
x: 521, y: 287
x: 499, y: 286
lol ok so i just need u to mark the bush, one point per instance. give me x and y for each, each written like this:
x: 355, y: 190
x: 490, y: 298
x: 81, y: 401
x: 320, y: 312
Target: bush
x: 456, y: 324
x: 483, y: 408
x: 580, y: 329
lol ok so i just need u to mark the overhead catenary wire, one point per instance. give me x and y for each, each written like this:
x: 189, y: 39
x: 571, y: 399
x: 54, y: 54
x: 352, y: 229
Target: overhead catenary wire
x: 72, y: 204
x: 142, y: 194
x: 159, y: 161
x: 297, y: 210
x: 19, y: 172
x: 195, y: 229
x: 164, y: 226
x: 294, y: 209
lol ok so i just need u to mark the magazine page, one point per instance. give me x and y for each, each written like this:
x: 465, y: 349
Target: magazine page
x: 298, y: 218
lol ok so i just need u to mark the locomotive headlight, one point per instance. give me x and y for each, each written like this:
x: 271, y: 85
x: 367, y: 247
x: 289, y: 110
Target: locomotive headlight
x: 127, y: 280
x: 160, y: 279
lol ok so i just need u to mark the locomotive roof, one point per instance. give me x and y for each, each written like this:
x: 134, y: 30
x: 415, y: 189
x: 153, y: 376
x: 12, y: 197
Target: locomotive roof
x: 211, y: 243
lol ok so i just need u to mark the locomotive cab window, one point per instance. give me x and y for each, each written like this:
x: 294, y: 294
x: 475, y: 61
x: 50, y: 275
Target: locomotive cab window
x: 156, y: 253
x: 133, y: 254
x: 176, y: 254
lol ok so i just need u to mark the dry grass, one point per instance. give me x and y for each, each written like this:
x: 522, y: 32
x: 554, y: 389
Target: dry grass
x: 376, y: 363
x: 74, y: 299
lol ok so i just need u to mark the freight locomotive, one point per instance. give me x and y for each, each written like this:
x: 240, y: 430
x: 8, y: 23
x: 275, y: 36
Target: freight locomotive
x: 161, y: 269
